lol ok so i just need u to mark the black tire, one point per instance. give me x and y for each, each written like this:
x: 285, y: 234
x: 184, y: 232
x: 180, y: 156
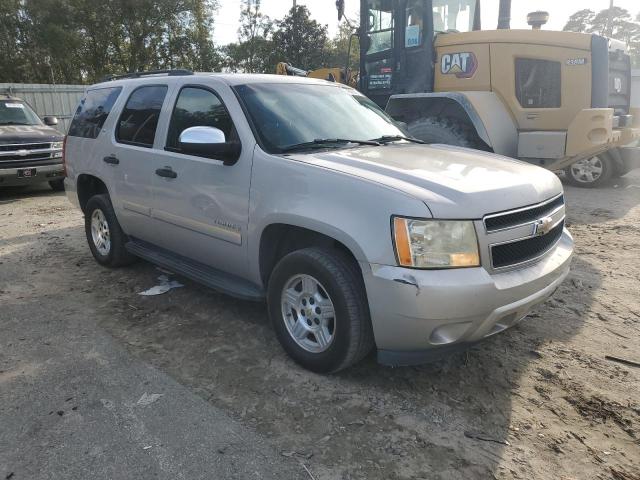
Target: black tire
x: 446, y: 130
x: 117, y: 255
x: 573, y: 177
x: 342, y: 279
x: 57, y: 185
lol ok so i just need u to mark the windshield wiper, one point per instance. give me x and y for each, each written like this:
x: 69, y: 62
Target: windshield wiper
x: 15, y: 123
x: 326, y: 142
x: 395, y: 138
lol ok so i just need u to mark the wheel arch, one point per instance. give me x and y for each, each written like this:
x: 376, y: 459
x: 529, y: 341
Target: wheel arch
x: 483, y: 111
x: 279, y: 238
x: 87, y: 186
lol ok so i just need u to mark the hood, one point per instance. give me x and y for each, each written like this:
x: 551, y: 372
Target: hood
x: 453, y: 182
x: 28, y: 134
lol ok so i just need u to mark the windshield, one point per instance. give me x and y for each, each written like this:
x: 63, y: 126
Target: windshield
x: 15, y: 112
x: 453, y: 15
x: 286, y: 114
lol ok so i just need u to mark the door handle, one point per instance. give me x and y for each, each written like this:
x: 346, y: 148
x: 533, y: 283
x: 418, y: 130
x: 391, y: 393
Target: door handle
x: 166, y: 172
x: 111, y: 159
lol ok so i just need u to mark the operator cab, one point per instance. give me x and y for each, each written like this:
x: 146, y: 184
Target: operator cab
x: 396, y: 48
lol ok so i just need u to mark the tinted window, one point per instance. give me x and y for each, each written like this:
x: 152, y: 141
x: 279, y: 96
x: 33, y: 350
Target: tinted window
x: 198, y: 107
x: 93, y: 111
x: 139, y: 119
x: 537, y: 83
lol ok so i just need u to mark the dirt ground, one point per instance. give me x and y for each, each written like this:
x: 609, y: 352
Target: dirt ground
x: 539, y: 401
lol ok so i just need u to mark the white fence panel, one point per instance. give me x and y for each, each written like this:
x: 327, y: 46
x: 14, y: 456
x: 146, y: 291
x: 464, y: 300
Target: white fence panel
x: 46, y: 99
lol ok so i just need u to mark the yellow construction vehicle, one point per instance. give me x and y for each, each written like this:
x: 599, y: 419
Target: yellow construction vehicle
x: 557, y: 99
x: 332, y: 74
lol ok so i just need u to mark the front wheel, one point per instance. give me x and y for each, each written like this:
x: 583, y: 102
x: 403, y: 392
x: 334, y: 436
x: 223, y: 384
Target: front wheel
x: 319, y: 310
x: 590, y: 172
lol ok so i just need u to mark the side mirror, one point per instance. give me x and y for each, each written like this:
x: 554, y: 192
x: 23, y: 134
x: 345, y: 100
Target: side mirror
x: 50, y: 121
x: 209, y: 142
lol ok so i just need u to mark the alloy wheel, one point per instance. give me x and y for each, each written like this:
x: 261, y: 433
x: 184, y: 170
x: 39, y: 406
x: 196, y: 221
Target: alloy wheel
x: 308, y: 313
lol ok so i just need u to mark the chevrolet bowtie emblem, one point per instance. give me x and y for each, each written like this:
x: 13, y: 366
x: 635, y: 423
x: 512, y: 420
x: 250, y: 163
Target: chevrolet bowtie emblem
x: 543, y: 226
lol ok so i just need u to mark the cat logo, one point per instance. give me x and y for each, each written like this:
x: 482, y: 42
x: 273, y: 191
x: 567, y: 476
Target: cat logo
x: 462, y: 64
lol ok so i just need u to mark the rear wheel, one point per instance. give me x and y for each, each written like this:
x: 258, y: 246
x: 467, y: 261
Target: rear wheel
x: 104, y: 235
x: 57, y: 185
x: 319, y: 309
x: 446, y: 130
x: 590, y: 172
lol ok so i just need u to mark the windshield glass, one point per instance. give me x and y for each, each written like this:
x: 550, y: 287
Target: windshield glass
x: 287, y: 114
x: 453, y: 15
x: 15, y: 112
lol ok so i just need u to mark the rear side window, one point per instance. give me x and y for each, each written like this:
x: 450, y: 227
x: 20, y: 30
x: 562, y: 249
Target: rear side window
x: 198, y: 107
x: 538, y: 83
x: 93, y: 111
x: 139, y: 119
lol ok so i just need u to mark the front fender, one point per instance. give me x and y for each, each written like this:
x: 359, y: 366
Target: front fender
x: 350, y: 209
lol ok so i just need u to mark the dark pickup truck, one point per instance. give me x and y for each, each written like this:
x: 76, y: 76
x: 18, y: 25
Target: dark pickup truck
x: 30, y: 149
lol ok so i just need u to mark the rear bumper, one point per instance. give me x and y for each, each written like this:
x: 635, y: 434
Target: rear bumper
x: 420, y: 315
x: 45, y: 173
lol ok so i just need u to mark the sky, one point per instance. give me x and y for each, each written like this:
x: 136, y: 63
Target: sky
x: 226, y: 22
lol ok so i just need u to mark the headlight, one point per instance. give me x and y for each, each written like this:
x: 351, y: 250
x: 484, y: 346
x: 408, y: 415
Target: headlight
x: 56, y: 145
x: 435, y: 243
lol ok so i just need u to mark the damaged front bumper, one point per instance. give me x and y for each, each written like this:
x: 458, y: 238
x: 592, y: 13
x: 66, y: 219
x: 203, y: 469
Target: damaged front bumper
x: 421, y: 315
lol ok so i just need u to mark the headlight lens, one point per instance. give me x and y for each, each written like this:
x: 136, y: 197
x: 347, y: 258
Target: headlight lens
x: 435, y: 243
x: 56, y: 145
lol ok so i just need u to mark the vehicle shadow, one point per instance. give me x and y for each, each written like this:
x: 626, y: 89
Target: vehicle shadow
x: 12, y: 194
x: 384, y: 420
x: 449, y: 419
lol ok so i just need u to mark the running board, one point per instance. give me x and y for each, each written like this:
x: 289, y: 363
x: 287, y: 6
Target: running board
x: 196, y: 271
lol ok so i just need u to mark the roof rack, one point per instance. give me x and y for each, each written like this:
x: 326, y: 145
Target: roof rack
x: 169, y: 72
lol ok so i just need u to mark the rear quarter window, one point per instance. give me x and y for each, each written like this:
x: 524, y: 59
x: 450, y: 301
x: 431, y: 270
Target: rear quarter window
x: 93, y: 111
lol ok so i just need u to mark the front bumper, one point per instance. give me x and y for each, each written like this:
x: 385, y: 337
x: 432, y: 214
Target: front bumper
x: 420, y: 315
x: 45, y: 173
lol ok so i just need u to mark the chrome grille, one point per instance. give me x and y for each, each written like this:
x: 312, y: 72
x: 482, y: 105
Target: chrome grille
x: 29, y: 155
x: 516, y: 237
x: 512, y: 218
x: 24, y: 146
x: 526, y: 250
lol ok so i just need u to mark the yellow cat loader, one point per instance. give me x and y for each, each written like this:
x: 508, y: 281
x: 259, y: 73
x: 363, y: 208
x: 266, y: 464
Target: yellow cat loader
x: 557, y: 99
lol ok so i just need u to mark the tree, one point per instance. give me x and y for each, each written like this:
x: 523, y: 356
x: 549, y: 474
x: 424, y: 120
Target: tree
x: 300, y: 41
x: 338, y: 47
x: 623, y: 27
x: 580, y: 21
x: 75, y: 41
x: 254, y: 50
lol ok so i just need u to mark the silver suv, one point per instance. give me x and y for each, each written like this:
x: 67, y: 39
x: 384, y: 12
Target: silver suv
x: 304, y: 193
